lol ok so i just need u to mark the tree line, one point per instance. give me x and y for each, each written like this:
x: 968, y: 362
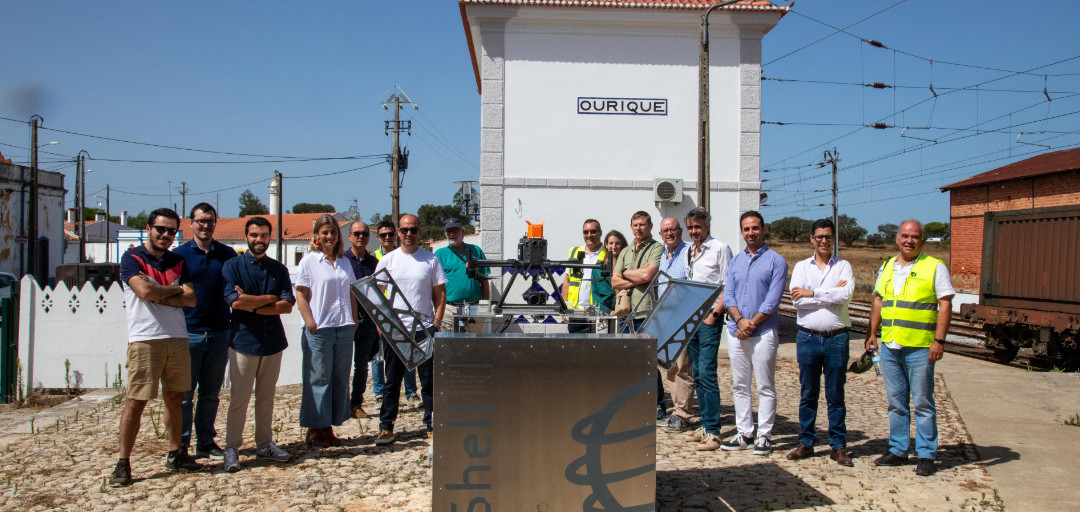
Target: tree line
x: 795, y: 229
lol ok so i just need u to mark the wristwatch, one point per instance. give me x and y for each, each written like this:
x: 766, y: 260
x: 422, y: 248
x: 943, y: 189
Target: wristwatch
x: 717, y: 315
x: 939, y: 341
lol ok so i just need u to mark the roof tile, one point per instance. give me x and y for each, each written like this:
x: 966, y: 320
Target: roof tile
x: 1040, y: 165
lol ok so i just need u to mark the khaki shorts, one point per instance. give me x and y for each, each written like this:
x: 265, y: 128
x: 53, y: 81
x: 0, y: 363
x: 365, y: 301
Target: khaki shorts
x: 167, y: 360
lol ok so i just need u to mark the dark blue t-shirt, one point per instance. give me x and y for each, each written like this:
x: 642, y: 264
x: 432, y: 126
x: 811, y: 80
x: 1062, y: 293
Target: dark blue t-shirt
x: 210, y: 313
x: 252, y: 333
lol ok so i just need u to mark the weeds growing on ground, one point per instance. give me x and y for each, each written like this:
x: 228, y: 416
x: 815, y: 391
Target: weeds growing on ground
x: 1074, y: 421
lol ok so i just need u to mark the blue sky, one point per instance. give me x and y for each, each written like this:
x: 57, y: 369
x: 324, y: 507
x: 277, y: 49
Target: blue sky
x: 285, y: 79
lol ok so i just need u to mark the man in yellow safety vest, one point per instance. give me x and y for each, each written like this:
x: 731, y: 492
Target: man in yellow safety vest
x: 913, y: 307
x: 576, y: 288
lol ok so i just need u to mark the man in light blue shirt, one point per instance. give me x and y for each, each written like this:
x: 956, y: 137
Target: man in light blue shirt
x: 755, y: 282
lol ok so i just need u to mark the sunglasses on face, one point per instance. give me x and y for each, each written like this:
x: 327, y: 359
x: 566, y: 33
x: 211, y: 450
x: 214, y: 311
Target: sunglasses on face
x: 590, y: 231
x: 162, y: 230
x: 359, y: 234
x: 409, y: 231
x: 386, y: 235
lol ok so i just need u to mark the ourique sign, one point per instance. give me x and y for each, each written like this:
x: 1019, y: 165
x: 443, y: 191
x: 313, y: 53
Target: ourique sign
x: 622, y: 106
x: 544, y: 422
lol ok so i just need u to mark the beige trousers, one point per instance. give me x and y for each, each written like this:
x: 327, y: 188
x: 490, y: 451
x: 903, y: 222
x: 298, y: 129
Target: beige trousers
x: 245, y: 372
x: 681, y: 384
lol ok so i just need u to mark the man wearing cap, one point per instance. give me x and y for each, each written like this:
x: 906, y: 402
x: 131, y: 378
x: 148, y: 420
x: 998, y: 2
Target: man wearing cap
x: 460, y: 288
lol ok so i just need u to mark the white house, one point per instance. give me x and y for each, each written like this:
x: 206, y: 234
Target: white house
x: 585, y: 104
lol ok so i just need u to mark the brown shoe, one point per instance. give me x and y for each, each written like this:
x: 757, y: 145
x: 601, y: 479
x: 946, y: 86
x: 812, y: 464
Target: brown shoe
x: 800, y: 452
x: 330, y: 438
x: 841, y: 457
x: 359, y: 413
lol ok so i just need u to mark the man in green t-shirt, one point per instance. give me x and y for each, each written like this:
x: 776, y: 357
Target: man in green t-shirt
x: 460, y: 288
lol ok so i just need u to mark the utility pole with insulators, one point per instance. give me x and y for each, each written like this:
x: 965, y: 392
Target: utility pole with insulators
x: 183, y: 198
x: 398, y: 160
x: 80, y: 191
x: 832, y: 157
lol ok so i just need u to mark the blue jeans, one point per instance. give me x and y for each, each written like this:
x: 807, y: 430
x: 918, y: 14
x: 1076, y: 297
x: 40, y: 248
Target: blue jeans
x: 395, y: 372
x: 209, y: 355
x: 909, y: 371
x: 817, y: 355
x: 378, y: 378
x: 365, y: 346
x: 703, y: 348
x: 327, y: 358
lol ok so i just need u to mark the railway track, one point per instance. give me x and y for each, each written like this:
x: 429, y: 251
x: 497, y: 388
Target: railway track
x: 964, y: 338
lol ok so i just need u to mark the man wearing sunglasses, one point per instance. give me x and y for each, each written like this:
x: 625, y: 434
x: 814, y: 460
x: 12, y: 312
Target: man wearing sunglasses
x: 387, y: 234
x: 365, y: 338
x: 576, y: 288
x: 157, y: 285
x: 207, y: 330
x: 460, y: 288
x: 420, y: 281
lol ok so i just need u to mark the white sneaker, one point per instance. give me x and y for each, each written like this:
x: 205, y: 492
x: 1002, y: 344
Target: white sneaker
x: 762, y: 446
x: 272, y: 452
x: 736, y: 443
x: 231, y: 461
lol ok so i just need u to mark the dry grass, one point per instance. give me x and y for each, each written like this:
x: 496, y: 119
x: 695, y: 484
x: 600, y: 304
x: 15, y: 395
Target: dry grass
x: 864, y: 260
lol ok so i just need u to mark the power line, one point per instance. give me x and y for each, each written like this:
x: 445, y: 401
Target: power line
x: 837, y: 31
x: 178, y: 162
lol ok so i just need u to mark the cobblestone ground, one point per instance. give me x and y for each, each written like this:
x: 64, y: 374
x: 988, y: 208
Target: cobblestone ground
x: 64, y: 465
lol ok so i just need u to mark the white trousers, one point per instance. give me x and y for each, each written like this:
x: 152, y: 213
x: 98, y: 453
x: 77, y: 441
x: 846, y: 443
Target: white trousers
x: 754, y: 358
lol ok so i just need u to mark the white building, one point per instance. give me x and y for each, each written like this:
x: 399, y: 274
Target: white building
x: 14, y: 204
x: 586, y: 103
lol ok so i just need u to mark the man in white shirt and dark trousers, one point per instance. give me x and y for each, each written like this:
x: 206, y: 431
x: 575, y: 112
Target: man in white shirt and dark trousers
x: 421, y: 280
x: 821, y: 288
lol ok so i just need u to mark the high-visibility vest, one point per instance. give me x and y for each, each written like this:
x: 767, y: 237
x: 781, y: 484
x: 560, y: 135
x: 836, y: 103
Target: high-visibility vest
x: 574, y: 277
x: 909, y: 318
x: 378, y: 253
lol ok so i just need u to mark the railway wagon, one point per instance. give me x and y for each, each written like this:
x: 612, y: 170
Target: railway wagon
x: 1029, y: 294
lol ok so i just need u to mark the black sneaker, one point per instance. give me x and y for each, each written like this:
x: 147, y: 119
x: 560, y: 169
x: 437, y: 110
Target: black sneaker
x: 738, y: 442
x: 182, y: 462
x: 121, y: 474
x: 925, y: 467
x: 211, y: 450
x: 890, y: 459
x: 661, y: 412
x: 676, y: 424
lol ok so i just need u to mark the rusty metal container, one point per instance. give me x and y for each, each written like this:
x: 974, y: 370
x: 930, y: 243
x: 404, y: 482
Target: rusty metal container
x: 1031, y: 259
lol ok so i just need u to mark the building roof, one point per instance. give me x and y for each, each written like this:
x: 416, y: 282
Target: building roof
x: 1047, y: 163
x: 95, y: 230
x: 297, y: 226
x: 745, y: 5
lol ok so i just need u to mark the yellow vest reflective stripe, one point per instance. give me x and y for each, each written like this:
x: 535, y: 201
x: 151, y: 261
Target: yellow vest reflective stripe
x: 909, y: 318
x: 574, y: 278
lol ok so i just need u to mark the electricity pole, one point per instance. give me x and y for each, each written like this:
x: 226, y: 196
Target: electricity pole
x: 108, y: 230
x: 832, y: 157
x: 183, y: 197
x: 80, y: 203
x: 397, y: 126
x: 280, y: 230
x: 32, y: 214
x: 704, y: 174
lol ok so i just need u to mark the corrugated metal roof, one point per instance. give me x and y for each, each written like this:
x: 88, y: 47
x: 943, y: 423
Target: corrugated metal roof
x: 1047, y: 163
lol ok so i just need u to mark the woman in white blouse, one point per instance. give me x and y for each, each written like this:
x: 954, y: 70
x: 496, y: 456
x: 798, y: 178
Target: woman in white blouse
x: 322, y: 296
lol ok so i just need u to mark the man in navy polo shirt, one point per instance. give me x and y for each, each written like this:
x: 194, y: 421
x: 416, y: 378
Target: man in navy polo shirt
x: 259, y: 291
x: 207, y: 328
x: 366, y: 337
x: 156, y: 286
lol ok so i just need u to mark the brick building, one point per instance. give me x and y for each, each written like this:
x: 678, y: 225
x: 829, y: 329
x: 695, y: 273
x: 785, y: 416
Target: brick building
x: 1050, y: 179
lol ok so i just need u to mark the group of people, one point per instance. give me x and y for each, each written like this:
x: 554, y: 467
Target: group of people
x: 911, y: 290
x: 192, y: 309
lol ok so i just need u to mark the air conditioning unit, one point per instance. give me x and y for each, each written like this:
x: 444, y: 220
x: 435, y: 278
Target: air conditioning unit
x: 667, y: 190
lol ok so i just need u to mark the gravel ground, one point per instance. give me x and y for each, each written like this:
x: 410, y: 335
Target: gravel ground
x: 65, y: 464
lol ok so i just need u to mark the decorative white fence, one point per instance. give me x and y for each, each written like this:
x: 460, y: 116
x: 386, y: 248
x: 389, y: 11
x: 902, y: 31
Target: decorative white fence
x: 87, y: 328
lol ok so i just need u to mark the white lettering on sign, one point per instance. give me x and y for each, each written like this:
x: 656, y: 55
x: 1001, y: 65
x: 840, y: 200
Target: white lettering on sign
x: 622, y: 106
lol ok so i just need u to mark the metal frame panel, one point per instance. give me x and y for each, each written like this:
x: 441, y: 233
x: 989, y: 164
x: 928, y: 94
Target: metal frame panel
x: 376, y: 294
x: 676, y: 315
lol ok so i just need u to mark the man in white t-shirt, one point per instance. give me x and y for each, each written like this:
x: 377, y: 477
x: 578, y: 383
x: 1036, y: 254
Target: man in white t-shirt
x: 420, y: 278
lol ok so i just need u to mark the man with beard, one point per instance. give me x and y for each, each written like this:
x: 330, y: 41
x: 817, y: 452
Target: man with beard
x: 208, y: 329
x: 259, y: 291
x: 156, y: 286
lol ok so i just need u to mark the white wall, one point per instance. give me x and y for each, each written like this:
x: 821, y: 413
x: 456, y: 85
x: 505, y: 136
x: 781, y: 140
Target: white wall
x: 88, y: 328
